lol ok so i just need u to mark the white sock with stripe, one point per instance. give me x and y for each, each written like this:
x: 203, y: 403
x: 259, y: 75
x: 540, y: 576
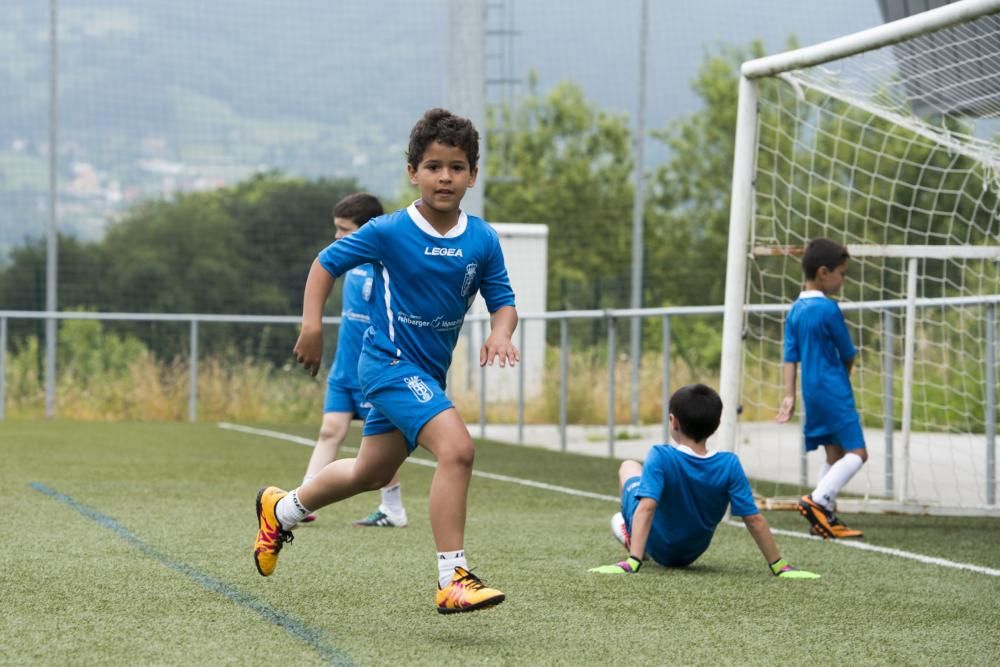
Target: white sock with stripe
x: 447, y: 562
x: 832, y: 482
x: 290, y: 511
x: 392, y: 501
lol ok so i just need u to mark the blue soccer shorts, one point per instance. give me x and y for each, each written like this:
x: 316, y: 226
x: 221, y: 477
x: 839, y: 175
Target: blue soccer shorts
x: 629, y: 500
x: 403, y: 397
x: 345, y: 399
x: 848, y: 437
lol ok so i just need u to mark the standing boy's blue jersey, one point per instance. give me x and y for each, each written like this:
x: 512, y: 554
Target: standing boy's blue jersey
x: 816, y: 337
x: 354, y: 320
x: 424, y: 282
x: 692, y: 493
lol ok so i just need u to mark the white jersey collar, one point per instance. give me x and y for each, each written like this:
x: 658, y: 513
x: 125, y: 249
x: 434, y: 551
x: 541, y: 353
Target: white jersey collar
x: 427, y: 228
x: 691, y: 452
x: 811, y: 294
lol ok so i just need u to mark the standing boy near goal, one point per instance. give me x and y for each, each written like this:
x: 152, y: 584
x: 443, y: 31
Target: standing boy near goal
x: 816, y: 336
x: 672, y: 505
x: 343, y: 401
x: 430, y: 260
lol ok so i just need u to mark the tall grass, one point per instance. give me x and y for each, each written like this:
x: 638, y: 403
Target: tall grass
x: 105, y: 376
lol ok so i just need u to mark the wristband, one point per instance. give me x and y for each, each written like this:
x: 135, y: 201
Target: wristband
x: 633, y: 563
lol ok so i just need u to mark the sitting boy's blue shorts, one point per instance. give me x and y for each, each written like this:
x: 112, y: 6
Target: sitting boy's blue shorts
x: 848, y: 437
x: 345, y: 399
x: 629, y: 500
x: 403, y: 397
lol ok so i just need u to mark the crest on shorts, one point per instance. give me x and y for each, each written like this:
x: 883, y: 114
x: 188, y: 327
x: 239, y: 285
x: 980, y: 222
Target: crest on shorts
x: 419, y: 388
x: 470, y: 277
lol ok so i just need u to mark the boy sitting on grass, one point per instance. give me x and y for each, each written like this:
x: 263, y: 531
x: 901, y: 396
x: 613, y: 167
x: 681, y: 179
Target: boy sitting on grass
x: 672, y: 504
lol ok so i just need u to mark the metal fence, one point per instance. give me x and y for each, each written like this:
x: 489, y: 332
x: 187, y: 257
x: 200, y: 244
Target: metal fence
x: 612, y: 321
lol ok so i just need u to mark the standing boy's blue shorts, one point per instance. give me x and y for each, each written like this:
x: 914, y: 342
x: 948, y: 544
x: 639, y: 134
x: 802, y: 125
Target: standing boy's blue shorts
x: 403, y: 397
x: 848, y: 437
x: 345, y: 399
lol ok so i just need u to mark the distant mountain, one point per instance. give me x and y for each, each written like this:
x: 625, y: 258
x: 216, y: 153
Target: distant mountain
x: 158, y: 97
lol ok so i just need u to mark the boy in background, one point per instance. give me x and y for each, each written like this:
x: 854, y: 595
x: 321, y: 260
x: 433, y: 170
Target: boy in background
x: 817, y: 337
x: 343, y: 401
x: 430, y: 260
x: 672, y: 505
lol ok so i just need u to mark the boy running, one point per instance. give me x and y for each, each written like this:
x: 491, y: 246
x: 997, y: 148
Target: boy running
x: 344, y: 401
x: 430, y: 260
x: 816, y: 336
x: 672, y: 505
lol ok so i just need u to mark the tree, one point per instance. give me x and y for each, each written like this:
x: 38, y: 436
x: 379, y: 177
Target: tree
x: 563, y: 163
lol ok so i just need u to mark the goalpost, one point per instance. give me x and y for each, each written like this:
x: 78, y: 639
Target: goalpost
x: 887, y: 141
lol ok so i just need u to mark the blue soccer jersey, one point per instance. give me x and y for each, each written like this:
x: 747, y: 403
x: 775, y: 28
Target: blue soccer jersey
x: 424, y: 282
x: 817, y: 338
x: 354, y: 320
x: 692, y: 493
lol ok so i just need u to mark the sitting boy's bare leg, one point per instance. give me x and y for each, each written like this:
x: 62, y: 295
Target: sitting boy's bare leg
x: 447, y: 438
x: 378, y: 459
x: 626, y: 471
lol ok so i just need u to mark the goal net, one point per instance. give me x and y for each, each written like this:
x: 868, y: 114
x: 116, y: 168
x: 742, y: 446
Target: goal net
x: 885, y: 141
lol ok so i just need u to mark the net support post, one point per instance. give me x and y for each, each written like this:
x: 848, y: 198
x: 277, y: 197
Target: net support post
x: 665, y: 410
x: 611, y: 385
x: 909, y: 339
x: 482, y: 385
x: 520, y: 387
x: 888, y: 395
x: 563, y: 379
x: 991, y: 403
x: 740, y: 212
x: 193, y: 373
x: 3, y: 368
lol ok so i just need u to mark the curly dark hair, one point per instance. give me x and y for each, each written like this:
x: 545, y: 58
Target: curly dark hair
x: 445, y: 127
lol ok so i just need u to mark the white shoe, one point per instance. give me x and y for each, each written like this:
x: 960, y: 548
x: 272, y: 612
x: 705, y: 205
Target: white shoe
x: 619, y: 530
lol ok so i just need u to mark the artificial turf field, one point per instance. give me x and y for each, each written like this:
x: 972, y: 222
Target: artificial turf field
x: 132, y: 544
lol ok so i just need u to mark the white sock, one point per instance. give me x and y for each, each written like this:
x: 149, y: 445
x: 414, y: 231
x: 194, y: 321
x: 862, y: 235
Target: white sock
x: 840, y: 474
x: 447, y: 562
x: 824, y: 468
x: 392, y: 501
x: 290, y: 511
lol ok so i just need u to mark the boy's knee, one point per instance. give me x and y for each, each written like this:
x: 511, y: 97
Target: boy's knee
x: 461, y: 453
x: 860, y: 453
x: 630, y: 468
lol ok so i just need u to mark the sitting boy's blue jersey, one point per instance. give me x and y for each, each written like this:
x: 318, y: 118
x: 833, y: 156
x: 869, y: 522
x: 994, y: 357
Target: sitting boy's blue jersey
x: 424, y: 282
x: 692, y: 493
x: 354, y: 321
x: 817, y: 338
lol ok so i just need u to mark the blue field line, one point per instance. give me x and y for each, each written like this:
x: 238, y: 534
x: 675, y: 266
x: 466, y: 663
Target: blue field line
x: 311, y: 636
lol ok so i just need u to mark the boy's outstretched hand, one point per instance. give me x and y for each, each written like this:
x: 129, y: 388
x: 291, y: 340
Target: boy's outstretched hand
x: 308, y: 349
x: 781, y: 568
x: 628, y: 566
x: 499, y: 347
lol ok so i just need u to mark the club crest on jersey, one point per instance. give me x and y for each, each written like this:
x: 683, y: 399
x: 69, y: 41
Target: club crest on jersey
x: 470, y: 277
x: 443, y: 252
x: 419, y: 388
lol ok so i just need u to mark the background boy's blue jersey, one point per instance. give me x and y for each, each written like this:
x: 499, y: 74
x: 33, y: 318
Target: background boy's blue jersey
x: 692, y: 493
x: 354, y: 321
x: 423, y: 282
x: 817, y: 338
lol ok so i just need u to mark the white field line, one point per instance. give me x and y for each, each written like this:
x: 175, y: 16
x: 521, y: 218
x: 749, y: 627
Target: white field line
x: 430, y: 464
x: 898, y: 553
